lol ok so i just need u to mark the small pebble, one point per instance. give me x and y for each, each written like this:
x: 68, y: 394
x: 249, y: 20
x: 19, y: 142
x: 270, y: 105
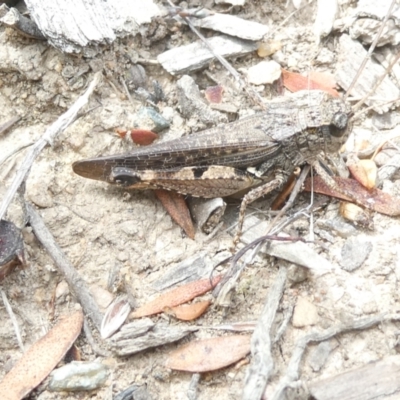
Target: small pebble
x: 320, y: 354
x: 354, y: 253
x: 305, y: 313
x: 78, y: 375
x: 148, y: 118
x: 264, y: 72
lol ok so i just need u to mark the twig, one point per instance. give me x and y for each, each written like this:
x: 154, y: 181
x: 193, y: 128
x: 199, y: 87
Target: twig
x: 7, y: 125
x: 368, y: 55
x: 292, y: 372
x: 75, y: 282
x: 13, y: 19
x: 283, y: 326
x: 96, y: 349
x: 13, y: 320
x: 48, y: 137
x: 262, y: 362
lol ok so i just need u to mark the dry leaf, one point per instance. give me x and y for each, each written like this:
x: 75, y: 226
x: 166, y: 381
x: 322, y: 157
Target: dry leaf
x: 373, y: 199
x: 295, y: 82
x: 189, y: 312
x: 210, y: 354
x: 41, y: 358
x: 176, y: 297
x: 142, y: 136
x: 365, y: 172
x: 177, y: 208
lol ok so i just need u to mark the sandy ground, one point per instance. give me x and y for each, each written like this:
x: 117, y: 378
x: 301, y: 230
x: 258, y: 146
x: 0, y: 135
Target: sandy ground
x: 107, y: 231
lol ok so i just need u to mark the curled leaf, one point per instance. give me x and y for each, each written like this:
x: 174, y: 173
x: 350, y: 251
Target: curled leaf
x: 41, y: 358
x: 373, y: 199
x: 114, y: 317
x: 176, y: 297
x: 210, y: 354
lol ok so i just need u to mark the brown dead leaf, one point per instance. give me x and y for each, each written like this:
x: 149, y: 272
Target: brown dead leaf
x: 210, y: 354
x: 176, y: 297
x: 177, y: 208
x: 295, y: 82
x: 41, y: 358
x: 189, y: 312
x: 373, y: 199
x: 142, y: 136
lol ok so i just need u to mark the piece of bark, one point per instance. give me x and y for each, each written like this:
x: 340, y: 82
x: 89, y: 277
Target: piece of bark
x: 380, y: 379
x: 351, y: 54
x: 143, y: 334
x: 72, y: 25
x: 233, y: 26
x: 194, y: 56
x: 13, y: 19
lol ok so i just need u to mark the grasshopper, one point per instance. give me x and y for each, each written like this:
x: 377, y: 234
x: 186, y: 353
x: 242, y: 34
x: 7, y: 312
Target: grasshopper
x: 252, y: 153
x: 255, y: 153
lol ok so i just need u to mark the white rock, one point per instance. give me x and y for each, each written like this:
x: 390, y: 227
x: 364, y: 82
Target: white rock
x: 264, y: 72
x: 305, y: 313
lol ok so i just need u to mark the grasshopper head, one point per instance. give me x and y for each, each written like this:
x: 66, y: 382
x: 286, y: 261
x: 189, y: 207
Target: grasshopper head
x: 337, y: 123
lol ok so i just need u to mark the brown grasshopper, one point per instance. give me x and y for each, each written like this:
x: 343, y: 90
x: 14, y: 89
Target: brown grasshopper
x: 255, y: 153
x: 216, y: 162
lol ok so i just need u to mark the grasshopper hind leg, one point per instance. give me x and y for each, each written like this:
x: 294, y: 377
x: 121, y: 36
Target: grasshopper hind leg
x: 198, y: 181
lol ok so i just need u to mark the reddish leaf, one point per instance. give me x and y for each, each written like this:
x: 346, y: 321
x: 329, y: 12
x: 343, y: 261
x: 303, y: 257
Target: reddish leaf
x: 210, y: 354
x: 295, y: 82
x: 41, y: 358
x: 142, y: 136
x: 175, y: 297
x: 189, y: 312
x: 176, y: 207
x: 373, y: 199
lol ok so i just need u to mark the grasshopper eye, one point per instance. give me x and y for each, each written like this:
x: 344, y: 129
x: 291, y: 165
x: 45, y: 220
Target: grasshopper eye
x: 340, y: 120
x: 339, y: 124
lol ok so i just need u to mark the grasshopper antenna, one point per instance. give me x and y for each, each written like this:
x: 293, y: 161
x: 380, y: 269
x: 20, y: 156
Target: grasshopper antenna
x: 367, y: 57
